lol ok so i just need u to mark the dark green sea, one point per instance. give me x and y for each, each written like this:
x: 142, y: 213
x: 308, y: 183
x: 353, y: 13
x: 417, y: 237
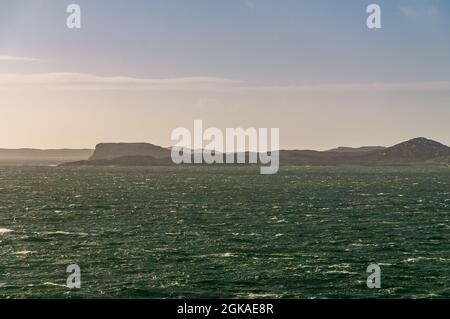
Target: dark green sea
x: 210, y: 232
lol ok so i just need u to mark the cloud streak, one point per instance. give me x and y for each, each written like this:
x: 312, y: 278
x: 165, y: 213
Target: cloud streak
x: 364, y: 87
x: 67, y: 80
x: 83, y: 81
x: 415, y: 12
x: 10, y: 58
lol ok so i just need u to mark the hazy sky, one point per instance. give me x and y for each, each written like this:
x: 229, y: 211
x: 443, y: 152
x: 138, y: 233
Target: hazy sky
x: 138, y: 69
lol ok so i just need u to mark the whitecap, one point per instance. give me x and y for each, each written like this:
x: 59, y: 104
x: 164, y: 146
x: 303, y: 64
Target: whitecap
x: 341, y: 272
x: 384, y: 264
x: 227, y: 255
x: 173, y: 234
x: 5, y: 231
x: 417, y: 259
x: 24, y: 252
x: 59, y: 232
x: 221, y: 255
x: 53, y: 284
x: 263, y: 295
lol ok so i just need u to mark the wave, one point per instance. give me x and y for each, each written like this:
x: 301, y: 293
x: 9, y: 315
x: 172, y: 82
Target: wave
x: 263, y: 296
x: 24, y: 252
x: 59, y: 232
x: 54, y: 284
x: 220, y: 255
x: 5, y: 231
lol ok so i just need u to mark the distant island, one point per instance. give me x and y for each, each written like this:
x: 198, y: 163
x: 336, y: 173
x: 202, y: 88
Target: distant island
x: 417, y: 151
x: 37, y: 155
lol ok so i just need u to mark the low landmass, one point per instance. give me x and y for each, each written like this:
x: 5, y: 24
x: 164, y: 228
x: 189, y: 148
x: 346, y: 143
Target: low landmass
x: 37, y: 155
x: 418, y: 151
x: 108, y: 151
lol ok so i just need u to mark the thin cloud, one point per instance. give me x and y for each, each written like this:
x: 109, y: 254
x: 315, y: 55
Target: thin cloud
x: 10, y: 58
x: 415, y: 11
x: 69, y: 80
x: 83, y: 81
x: 250, y: 4
x: 365, y: 87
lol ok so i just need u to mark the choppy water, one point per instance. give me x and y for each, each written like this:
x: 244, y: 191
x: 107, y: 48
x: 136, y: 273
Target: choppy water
x: 227, y: 232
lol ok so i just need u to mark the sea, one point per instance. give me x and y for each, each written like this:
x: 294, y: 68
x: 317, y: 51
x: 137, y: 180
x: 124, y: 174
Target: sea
x: 224, y: 232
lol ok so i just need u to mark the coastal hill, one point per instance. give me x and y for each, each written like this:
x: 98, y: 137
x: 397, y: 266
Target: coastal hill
x: 417, y: 150
x: 413, y: 152
x: 107, y: 151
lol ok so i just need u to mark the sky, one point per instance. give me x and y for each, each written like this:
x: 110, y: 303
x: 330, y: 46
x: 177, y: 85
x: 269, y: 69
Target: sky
x: 138, y: 69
